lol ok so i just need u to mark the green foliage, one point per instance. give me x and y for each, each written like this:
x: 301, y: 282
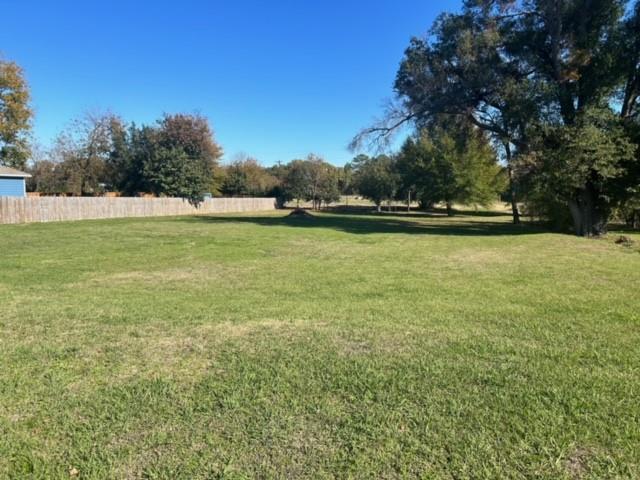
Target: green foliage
x: 172, y: 172
x: 125, y: 165
x: 587, y: 156
x: 184, y: 157
x: 628, y: 184
x: 376, y: 178
x: 280, y: 191
x: 450, y: 165
x: 313, y: 180
x: 177, y: 157
x: 15, y: 116
x: 346, y: 181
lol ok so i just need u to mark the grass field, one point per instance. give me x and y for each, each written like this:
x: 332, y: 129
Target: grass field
x: 340, y: 346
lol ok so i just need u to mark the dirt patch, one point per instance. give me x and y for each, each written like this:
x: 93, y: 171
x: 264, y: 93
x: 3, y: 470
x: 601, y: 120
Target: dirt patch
x: 624, y: 241
x: 576, y: 464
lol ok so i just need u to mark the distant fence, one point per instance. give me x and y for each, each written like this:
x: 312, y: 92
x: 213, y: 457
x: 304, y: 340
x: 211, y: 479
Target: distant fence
x: 56, y: 209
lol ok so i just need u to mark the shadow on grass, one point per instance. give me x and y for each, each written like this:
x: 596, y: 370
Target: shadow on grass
x: 359, y: 223
x: 413, y: 212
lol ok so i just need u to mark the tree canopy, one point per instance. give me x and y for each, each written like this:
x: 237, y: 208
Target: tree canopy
x: 312, y: 179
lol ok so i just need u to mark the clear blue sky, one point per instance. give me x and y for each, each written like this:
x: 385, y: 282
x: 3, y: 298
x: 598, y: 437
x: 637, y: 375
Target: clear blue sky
x: 277, y: 79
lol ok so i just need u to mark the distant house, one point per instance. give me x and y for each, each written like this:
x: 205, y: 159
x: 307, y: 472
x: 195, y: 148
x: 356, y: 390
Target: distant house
x: 12, y: 182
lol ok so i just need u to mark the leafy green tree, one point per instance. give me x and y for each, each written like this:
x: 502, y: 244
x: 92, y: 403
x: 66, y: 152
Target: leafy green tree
x: 131, y: 146
x: 177, y: 157
x: 450, y: 163
x: 376, y: 178
x: 280, y: 172
x: 586, y: 157
x: 297, y: 181
x: 346, y: 181
x: 313, y: 180
x: 329, y: 184
x: 183, y: 158
x: 15, y: 116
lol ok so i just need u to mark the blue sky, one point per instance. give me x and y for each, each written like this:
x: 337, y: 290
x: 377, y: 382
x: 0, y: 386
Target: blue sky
x: 277, y: 80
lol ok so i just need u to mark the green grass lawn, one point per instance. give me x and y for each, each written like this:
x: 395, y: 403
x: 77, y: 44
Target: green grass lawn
x: 340, y: 346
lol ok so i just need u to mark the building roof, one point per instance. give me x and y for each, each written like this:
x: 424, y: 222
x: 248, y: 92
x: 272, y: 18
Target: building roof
x: 12, y: 172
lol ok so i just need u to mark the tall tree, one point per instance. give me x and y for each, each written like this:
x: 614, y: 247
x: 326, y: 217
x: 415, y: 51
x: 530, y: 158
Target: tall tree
x: 15, y: 116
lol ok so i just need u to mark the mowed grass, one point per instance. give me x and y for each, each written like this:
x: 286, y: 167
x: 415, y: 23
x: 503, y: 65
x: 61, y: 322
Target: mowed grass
x: 344, y: 346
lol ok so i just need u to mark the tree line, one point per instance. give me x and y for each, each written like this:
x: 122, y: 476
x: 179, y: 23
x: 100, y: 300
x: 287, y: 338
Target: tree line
x: 432, y: 169
x: 178, y: 156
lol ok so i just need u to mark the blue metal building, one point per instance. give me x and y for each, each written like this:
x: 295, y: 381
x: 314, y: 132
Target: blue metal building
x: 12, y: 182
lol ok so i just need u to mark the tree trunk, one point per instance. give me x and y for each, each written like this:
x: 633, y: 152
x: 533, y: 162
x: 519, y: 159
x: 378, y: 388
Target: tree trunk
x: 512, y: 188
x: 589, y: 213
x: 379, y: 207
x: 514, y: 201
x: 449, y: 209
x: 409, y: 202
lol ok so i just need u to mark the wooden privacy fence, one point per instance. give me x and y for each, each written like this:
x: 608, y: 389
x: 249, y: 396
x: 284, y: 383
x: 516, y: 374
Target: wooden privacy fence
x: 55, y: 209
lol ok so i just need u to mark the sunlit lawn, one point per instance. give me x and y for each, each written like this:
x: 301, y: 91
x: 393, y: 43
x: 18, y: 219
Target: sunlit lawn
x: 340, y: 346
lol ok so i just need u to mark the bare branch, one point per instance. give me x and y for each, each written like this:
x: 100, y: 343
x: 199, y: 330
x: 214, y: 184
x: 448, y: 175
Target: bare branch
x: 381, y: 133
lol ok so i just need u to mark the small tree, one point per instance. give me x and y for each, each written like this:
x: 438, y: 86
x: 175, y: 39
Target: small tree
x: 375, y: 178
x: 298, y: 180
x: 313, y: 180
